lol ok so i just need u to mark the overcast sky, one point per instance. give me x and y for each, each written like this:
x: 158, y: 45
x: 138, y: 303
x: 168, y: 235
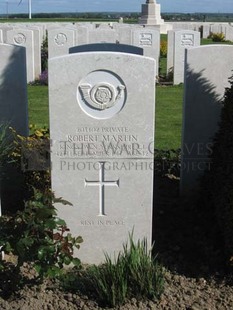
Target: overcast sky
x: 187, y: 6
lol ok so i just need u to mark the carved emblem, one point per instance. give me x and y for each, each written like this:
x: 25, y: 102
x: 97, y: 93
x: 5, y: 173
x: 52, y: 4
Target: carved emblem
x: 102, y: 95
x: 187, y: 39
x: 60, y: 39
x: 19, y: 39
x: 145, y: 39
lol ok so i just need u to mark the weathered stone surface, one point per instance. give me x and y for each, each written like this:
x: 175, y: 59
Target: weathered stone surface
x: 102, y: 128
x: 207, y: 70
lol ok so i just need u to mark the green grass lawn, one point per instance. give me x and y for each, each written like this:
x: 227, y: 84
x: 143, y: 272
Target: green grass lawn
x: 168, y: 117
x: 168, y: 113
x: 38, y: 106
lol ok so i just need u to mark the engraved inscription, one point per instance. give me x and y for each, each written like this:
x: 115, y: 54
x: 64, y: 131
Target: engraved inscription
x: 101, y: 96
x: 60, y: 39
x: 101, y: 183
x: 19, y: 39
x: 145, y: 39
x: 187, y: 39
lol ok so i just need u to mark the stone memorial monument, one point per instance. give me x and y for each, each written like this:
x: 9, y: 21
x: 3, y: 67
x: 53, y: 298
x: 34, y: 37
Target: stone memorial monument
x: 102, y: 108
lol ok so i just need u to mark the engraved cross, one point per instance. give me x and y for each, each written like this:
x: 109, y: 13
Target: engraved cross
x: 101, y: 183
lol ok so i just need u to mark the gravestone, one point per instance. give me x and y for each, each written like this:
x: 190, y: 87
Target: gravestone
x: 24, y: 38
x: 13, y: 112
x: 183, y: 39
x: 37, y: 49
x: 13, y: 87
x: 103, y: 35
x: 102, y: 128
x: 59, y: 41
x: 170, y: 51
x: 205, y: 31
x: 149, y: 40
x: 207, y: 70
x: 82, y: 35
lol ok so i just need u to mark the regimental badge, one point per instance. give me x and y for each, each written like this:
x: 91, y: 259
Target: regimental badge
x: 101, y: 96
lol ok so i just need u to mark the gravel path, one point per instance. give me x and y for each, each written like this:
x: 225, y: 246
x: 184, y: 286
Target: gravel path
x: 189, y: 247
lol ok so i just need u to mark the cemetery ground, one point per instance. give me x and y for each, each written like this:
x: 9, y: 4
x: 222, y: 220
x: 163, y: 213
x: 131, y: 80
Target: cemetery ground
x: 187, y: 245
x: 191, y: 274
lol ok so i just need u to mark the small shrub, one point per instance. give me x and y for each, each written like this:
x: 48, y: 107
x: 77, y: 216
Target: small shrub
x: 37, y: 236
x: 31, y: 155
x: 163, y: 48
x: 217, y: 37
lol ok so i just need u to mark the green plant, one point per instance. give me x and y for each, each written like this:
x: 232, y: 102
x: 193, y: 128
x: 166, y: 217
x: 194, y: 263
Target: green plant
x: 163, y: 48
x: 44, y: 53
x: 32, y: 156
x: 133, y: 273
x: 5, y: 143
x: 37, y: 236
x: 217, y: 37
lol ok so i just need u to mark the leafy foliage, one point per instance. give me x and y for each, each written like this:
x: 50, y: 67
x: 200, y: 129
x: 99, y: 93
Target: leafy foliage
x: 36, y: 235
x: 163, y: 48
x: 217, y: 37
x: 32, y: 155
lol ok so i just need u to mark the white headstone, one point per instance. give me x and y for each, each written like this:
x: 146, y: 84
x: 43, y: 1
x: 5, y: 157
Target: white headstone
x: 207, y: 70
x: 183, y: 39
x: 170, y: 51
x: 59, y: 41
x: 102, y: 128
x: 37, y: 50
x: 24, y: 38
x: 82, y: 35
x: 102, y: 35
x: 13, y: 87
x: 149, y: 40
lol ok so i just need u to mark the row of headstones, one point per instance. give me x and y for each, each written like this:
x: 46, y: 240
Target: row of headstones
x: 29, y: 37
x: 102, y: 127
x: 206, y: 28
x: 61, y: 39
x: 177, y: 42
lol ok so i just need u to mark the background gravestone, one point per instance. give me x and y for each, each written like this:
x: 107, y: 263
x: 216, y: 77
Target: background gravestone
x: 59, y: 41
x: 183, y: 39
x: 149, y: 40
x: 207, y: 70
x: 102, y: 128
x: 24, y: 38
x: 13, y: 112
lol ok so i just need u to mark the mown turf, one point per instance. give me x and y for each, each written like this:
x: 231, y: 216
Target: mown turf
x: 168, y: 117
x: 38, y: 106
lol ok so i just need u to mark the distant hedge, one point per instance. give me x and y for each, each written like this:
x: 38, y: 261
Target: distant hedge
x: 218, y: 182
